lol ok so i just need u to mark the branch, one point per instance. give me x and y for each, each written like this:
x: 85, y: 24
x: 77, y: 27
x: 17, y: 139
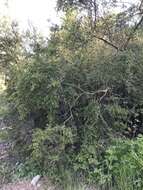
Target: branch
x: 86, y: 92
x: 141, y: 6
x: 71, y: 107
x: 107, y: 42
x: 105, y: 93
x: 136, y: 26
x: 132, y: 33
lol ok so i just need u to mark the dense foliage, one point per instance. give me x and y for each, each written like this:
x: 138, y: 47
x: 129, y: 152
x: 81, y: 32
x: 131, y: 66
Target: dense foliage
x: 79, y: 106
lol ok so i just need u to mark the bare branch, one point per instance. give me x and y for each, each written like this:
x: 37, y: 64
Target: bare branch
x: 71, y: 107
x: 107, y: 42
x: 105, y: 93
x: 86, y: 92
x: 132, y: 33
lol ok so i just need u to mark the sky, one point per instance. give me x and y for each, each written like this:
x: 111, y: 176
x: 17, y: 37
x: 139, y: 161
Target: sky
x: 39, y: 13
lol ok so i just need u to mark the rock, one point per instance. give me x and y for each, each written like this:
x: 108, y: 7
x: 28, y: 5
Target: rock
x: 35, y: 180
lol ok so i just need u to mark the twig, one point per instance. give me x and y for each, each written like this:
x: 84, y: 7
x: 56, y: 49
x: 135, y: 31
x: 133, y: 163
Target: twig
x: 106, y: 91
x: 71, y: 107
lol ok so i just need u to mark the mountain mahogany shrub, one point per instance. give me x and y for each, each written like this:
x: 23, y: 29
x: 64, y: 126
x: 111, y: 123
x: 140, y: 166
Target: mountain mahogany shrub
x: 88, y: 101
x: 77, y: 108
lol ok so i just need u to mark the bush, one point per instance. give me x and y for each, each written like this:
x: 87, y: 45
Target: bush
x: 123, y: 165
x: 76, y: 106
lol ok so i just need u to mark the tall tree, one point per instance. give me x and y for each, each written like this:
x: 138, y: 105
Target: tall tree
x: 118, y: 20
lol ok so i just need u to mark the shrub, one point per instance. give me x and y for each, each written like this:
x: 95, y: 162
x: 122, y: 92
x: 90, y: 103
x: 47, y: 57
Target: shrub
x: 77, y: 105
x: 124, y: 162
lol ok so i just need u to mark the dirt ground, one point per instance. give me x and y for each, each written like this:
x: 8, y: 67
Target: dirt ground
x: 26, y: 185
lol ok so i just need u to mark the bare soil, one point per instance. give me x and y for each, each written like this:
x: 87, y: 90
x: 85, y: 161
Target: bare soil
x: 25, y: 185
